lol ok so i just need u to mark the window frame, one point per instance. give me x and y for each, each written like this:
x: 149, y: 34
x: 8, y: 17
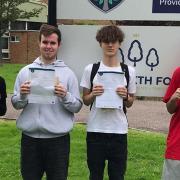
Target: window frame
x: 16, y: 39
x: 6, y: 51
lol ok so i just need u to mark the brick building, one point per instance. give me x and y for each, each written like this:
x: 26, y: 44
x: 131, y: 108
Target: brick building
x: 25, y: 48
x: 20, y: 43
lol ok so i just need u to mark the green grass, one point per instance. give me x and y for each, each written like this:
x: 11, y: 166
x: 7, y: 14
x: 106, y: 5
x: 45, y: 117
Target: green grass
x: 145, y: 154
x: 9, y: 73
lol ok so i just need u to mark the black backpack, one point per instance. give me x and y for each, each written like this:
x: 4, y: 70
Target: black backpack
x: 95, y: 68
x: 3, y: 96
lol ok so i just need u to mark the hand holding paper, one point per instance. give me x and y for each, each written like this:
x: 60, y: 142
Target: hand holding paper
x: 122, y: 91
x: 25, y: 88
x: 97, y: 90
x: 59, y: 89
x: 110, y: 81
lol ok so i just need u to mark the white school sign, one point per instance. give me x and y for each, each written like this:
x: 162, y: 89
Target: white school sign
x: 121, y: 10
x: 154, y: 51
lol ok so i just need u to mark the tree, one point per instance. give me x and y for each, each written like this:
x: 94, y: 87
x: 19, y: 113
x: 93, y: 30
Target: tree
x: 10, y: 11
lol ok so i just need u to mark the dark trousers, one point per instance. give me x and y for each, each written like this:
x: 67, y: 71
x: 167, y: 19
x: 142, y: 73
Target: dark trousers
x: 49, y: 155
x: 110, y: 147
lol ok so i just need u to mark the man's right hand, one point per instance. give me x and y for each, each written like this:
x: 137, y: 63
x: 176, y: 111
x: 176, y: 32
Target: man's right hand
x: 97, y: 90
x: 25, y: 88
x: 172, y: 103
x: 89, y: 96
x: 176, y: 95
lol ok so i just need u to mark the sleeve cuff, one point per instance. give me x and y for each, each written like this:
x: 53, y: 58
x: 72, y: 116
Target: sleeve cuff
x: 67, y: 97
x: 23, y: 97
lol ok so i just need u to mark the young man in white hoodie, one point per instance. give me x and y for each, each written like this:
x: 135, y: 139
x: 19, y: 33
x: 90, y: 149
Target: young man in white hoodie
x: 107, y: 127
x: 45, y: 143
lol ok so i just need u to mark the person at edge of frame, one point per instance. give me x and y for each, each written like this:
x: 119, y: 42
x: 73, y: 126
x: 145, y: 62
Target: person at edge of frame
x: 3, y: 96
x: 171, y: 167
x: 45, y: 142
x: 107, y: 128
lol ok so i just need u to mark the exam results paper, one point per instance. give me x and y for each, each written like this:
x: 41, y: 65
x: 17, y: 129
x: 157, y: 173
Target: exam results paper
x: 110, y: 81
x: 42, y: 86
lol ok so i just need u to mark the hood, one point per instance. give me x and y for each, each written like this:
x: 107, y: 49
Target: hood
x: 57, y: 63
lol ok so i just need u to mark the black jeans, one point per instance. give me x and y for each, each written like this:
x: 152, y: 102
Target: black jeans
x: 49, y: 155
x: 110, y: 147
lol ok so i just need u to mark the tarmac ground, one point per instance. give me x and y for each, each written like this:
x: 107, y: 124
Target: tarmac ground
x: 149, y: 115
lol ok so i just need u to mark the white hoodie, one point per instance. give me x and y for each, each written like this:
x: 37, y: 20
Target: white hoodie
x: 48, y: 120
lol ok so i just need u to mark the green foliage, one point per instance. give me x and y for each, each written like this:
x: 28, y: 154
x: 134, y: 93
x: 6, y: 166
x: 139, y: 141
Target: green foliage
x: 9, y: 151
x: 145, y: 154
x: 10, y: 12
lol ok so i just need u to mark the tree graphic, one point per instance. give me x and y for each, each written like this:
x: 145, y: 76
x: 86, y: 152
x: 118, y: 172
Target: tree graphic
x: 135, y: 53
x: 152, y: 59
x: 106, y: 4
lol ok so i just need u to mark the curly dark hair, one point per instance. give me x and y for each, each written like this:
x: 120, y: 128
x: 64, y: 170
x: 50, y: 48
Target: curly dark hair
x: 109, y: 34
x: 47, y: 30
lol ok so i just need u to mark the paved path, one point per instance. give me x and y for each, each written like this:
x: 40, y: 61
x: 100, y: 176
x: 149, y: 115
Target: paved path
x: 146, y: 115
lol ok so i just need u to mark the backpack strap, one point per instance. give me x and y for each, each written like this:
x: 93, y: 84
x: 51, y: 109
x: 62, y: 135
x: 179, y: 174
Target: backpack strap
x: 126, y: 73
x: 94, y: 71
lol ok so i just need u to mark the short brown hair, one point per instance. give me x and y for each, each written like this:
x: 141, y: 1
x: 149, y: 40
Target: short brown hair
x: 47, y: 30
x: 110, y: 33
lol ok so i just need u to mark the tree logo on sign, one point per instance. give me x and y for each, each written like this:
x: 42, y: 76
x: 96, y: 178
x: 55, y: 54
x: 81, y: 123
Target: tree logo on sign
x: 105, y: 5
x: 135, y: 53
x: 152, y: 59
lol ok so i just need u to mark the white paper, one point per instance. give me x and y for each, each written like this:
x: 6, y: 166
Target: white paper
x: 110, y: 82
x: 42, y: 86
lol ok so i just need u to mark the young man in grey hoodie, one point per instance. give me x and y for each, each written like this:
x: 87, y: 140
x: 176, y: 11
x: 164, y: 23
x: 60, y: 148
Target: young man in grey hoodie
x: 45, y: 142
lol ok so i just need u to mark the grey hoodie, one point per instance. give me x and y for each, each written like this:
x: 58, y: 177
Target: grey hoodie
x: 48, y: 120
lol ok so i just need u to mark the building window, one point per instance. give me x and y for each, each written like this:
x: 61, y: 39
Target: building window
x: 5, y: 47
x: 14, y: 38
x: 18, y: 25
x: 34, y: 25
x: 4, y: 43
x: 5, y: 55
